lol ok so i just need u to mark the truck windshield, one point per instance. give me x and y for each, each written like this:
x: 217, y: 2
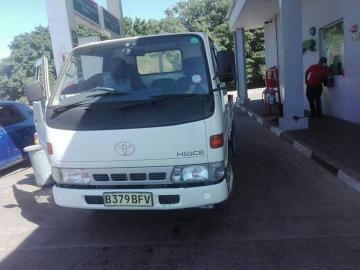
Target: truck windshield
x: 133, y: 70
x: 134, y: 73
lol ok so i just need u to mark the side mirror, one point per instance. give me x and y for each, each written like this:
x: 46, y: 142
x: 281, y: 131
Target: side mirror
x: 226, y: 66
x: 33, y: 92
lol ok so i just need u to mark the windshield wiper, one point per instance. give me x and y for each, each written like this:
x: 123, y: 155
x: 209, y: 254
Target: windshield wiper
x: 71, y: 105
x: 109, y: 93
x: 88, y: 98
x: 155, y: 99
x: 141, y: 102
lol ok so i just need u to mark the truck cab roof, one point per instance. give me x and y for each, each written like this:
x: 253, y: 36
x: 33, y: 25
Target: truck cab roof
x: 113, y: 41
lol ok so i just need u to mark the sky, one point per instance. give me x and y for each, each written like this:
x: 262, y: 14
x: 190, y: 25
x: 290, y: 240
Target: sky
x: 19, y: 16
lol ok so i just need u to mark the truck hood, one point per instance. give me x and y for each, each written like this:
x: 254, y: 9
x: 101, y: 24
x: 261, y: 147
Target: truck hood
x: 171, y: 145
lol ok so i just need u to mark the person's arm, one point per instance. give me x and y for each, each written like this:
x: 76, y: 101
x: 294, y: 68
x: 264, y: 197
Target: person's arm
x: 307, y: 76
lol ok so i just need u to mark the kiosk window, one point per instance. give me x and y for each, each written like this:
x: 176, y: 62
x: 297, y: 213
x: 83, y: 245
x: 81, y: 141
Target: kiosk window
x: 332, y: 41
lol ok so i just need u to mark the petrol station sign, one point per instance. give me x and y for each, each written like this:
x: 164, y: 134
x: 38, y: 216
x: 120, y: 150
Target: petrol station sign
x: 65, y: 17
x: 87, y: 8
x: 111, y: 22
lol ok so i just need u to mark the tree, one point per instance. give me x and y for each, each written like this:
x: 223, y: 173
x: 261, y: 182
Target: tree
x: 141, y: 27
x: 19, y: 67
x: 82, y: 31
x: 205, y: 16
x: 255, y: 57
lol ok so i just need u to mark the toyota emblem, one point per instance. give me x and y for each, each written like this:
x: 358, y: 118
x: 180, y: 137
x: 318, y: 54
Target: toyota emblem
x: 124, y: 148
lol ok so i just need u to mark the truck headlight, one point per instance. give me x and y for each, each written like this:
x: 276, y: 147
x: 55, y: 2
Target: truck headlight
x: 71, y: 176
x: 198, y: 173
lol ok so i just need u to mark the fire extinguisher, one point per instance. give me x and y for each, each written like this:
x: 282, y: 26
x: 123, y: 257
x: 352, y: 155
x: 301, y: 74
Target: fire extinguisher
x: 271, y: 97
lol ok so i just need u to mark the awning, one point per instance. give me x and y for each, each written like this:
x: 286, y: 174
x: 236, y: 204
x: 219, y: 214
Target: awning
x: 251, y: 14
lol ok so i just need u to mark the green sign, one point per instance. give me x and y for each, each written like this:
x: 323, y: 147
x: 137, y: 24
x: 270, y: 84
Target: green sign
x: 309, y: 45
x: 111, y: 22
x: 88, y: 9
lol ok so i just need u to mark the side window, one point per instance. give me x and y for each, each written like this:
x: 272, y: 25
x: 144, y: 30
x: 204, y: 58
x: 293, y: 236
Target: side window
x: 159, y: 62
x: 214, y: 57
x: 9, y: 116
x: 214, y: 60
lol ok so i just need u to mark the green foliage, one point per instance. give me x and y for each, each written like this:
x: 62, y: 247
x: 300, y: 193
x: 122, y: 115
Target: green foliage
x: 255, y: 57
x: 83, y: 31
x: 141, y: 27
x: 19, y: 67
x: 205, y: 16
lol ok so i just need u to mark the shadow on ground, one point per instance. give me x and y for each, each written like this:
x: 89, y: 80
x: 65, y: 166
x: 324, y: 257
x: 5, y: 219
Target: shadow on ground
x: 15, y: 169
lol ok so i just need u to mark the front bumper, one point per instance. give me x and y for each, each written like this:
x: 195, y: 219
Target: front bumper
x: 191, y: 197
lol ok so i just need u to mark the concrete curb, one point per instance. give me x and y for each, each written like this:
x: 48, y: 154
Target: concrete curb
x: 345, y: 175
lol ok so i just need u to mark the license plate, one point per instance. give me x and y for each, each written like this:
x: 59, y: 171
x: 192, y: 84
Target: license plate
x: 141, y: 199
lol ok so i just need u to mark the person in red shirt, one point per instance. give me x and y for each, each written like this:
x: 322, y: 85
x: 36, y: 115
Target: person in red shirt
x: 314, y: 78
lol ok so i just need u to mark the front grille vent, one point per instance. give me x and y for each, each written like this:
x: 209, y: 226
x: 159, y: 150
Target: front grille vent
x: 138, y: 176
x: 157, y: 176
x: 119, y: 177
x: 101, y: 177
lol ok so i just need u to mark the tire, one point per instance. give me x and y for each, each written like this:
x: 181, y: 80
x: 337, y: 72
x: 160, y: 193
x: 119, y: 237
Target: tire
x: 232, y: 142
x: 230, y: 178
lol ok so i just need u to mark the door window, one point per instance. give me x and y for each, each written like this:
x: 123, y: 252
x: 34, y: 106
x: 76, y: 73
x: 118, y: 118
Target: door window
x: 214, y: 51
x: 9, y: 116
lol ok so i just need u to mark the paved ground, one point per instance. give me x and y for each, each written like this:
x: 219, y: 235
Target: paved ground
x: 288, y: 213
x: 330, y: 136
x: 335, y: 138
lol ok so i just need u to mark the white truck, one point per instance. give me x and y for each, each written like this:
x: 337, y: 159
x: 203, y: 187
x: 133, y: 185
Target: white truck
x: 140, y: 123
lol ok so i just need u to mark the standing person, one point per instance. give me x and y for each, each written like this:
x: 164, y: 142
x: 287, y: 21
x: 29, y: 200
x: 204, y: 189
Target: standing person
x: 314, y: 78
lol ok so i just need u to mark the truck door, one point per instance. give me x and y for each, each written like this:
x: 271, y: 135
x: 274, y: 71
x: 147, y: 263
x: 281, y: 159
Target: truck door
x: 42, y: 77
x: 226, y: 106
x: 226, y: 100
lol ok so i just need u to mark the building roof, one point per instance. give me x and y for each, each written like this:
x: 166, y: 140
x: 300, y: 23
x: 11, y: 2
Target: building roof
x: 251, y: 14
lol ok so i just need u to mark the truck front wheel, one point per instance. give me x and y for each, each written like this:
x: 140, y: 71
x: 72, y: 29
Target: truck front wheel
x: 230, y: 177
x: 231, y: 183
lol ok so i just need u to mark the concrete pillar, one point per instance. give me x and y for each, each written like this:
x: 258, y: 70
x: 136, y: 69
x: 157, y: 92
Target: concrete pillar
x: 115, y: 7
x: 291, y: 65
x: 61, y: 26
x: 240, y: 52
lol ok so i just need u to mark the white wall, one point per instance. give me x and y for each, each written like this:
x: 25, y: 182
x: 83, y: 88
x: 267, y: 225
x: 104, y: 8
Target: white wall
x: 270, y: 44
x: 342, y: 101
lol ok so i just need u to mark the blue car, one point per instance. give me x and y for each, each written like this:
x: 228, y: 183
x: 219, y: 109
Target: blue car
x: 17, y: 130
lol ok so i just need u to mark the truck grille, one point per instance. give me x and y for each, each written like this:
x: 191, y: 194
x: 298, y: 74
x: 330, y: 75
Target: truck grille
x: 157, y: 176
